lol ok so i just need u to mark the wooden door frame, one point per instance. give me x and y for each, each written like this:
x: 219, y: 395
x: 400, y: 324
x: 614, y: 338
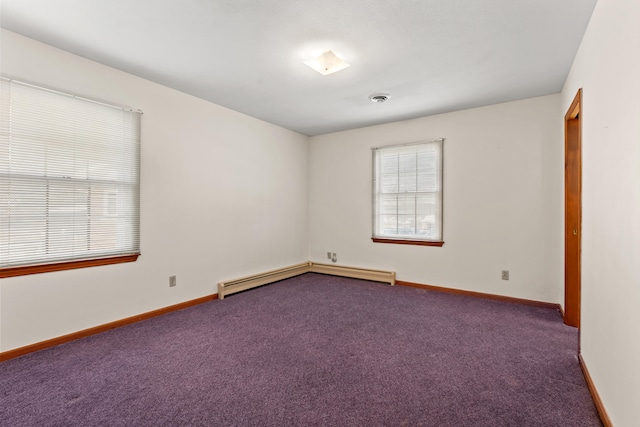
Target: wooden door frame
x: 573, y: 211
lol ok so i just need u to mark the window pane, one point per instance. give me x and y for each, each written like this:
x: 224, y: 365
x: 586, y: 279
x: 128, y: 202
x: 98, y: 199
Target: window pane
x: 389, y: 204
x: 407, y: 204
x: 389, y: 183
x: 426, y: 204
x: 389, y: 224
x: 406, y: 225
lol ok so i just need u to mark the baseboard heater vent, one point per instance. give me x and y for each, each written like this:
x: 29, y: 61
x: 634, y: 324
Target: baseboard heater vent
x: 355, y: 272
x: 232, y: 286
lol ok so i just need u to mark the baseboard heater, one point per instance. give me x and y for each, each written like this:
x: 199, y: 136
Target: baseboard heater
x: 242, y: 284
x: 232, y: 286
x: 354, y: 272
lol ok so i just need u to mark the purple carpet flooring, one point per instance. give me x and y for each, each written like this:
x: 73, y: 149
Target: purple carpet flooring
x: 314, y: 350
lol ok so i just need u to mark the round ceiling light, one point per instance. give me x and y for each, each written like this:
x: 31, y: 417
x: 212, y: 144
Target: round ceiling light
x: 379, y: 97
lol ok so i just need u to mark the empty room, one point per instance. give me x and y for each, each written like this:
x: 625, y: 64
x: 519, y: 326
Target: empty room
x: 330, y: 213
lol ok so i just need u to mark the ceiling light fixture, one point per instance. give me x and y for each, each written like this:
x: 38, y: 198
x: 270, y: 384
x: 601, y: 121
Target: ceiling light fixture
x: 379, y: 98
x: 327, y: 63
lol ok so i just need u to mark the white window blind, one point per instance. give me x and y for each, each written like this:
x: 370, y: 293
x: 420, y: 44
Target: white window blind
x: 407, y: 191
x: 69, y: 177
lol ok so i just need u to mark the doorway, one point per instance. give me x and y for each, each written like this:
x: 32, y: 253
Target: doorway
x: 572, y: 210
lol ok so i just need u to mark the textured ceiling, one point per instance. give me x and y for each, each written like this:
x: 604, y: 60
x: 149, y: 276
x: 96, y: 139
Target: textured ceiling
x: 432, y: 56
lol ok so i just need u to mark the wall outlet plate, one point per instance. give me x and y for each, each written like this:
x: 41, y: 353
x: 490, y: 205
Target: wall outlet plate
x: 505, y: 274
x: 172, y: 281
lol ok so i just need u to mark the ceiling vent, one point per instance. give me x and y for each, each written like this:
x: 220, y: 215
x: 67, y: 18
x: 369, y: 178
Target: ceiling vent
x: 379, y: 98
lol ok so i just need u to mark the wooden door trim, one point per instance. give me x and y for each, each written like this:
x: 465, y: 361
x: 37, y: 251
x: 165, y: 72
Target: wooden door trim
x: 574, y: 109
x: 573, y: 130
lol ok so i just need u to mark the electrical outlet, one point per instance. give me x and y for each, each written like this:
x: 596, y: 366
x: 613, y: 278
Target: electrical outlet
x: 505, y: 274
x: 334, y: 257
x: 172, y: 281
x: 328, y: 255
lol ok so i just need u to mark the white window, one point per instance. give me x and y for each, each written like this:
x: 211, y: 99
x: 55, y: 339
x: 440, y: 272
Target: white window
x: 407, y: 193
x: 69, y: 180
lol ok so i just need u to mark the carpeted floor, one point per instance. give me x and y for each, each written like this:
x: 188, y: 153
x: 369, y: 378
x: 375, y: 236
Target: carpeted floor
x: 314, y: 350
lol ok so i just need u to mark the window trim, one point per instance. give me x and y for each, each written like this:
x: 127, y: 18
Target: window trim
x: 24, y: 270
x: 401, y: 240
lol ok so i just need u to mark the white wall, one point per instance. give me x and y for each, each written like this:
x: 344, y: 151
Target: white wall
x: 503, y: 196
x: 607, y: 67
x: 222, y: 195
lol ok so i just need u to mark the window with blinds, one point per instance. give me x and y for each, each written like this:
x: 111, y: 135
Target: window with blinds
x: 407, y: 193
x: 69, y: 177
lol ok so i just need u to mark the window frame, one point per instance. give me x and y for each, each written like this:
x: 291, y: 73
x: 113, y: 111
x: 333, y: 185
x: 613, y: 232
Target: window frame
x: 404, y: 239
x: 73, y: 259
